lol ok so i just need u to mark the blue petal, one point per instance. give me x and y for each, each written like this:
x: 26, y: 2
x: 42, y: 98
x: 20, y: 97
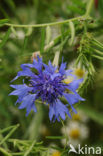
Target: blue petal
x: 50, y: 69
x: 28, y: 102
x: 69, y: 73
x: 58, y: 109
x: 26, y: 72
x: 38, y: 64
x: 20, y: 89
x: 54, y: 75
x: 75, y: 84
x: 62, y: 68
x: 27, y: 65
x: 72, y: 99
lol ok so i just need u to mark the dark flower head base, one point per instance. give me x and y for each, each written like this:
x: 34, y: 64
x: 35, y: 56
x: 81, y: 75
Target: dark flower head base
x: 48, y: 85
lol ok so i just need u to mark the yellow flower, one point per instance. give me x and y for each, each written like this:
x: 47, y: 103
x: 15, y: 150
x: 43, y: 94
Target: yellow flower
x: 56, y: 153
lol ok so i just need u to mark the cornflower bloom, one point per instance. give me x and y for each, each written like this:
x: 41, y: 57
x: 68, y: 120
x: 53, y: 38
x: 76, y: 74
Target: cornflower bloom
x: 48, y: 83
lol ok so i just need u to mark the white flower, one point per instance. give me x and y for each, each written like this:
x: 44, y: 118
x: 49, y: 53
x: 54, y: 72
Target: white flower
x: 76, y: 133
x: 80, y: 116
x: 54, y: 152
x: 78, y: 70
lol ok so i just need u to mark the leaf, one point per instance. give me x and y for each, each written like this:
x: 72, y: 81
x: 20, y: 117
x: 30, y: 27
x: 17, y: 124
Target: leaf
x: 14, y: 31
x: 56, y: 58
x: 9, y: 134
x: 42, y: 40
x: 48, y: 34
x: 30, y: 149
x: 4, y: 152
x: 5, y: 38
x: 3, y: 21
x: 92, y: 113
x: 25, y: 44
x: 29, y: 31
x: 55, y: 137
x: 72, y: 29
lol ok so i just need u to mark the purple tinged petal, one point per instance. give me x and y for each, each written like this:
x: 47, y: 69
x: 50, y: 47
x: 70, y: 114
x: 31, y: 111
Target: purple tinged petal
x: 20, y: 89
x: 74, y: 84
x: 28, y: 102
x: 71, y: 98
x: 27, y: 65
x: 62, y: 68
x: 38, y: 64
x: 69, y: 73
x: 54, y: 75
x: 26, y: 72
x: 58, y: 109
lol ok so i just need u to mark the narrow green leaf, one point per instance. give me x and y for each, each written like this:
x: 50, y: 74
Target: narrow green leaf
x: 98, y: 52
x: 98, y: 57
x: 4, y: 152
x: 72, y: 29
x: 55, y: 137
x: 3, y: 21
x: 5, y: 38
x: 25, y: 44
x: 27, y: 153
x: 48, y: 34
x: 14, y: 31
x: 9, y: 134
x: 97, y: 43
x: 56, y: 58
x: 42, y: 40
x: 6, y: 129
x: 29, y: 31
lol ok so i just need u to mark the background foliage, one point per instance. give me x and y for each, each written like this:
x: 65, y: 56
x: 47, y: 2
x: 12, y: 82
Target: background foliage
x: 17, y: 46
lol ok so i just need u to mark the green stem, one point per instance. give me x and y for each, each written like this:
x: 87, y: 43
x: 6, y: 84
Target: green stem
x: 46, y: 24
x: 89, y: 7
x: 66, y: 137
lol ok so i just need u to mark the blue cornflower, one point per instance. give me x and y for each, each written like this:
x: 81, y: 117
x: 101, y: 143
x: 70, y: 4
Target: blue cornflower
x: 49, y: 84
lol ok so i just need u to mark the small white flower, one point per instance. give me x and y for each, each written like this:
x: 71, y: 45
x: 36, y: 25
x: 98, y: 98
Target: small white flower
x: 54, y: 152
x: 78, y: 70
x: 80, y: 116
x: 76, y: 133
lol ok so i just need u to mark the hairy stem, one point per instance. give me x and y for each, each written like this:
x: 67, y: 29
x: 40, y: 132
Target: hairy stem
x: 45, y: 24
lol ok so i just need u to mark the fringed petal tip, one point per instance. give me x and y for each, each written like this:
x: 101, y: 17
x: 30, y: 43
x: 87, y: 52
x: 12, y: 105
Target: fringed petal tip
x: 58, y: 110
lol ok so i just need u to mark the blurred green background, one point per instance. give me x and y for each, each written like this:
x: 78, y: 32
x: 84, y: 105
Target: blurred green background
x: 18, y: 47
